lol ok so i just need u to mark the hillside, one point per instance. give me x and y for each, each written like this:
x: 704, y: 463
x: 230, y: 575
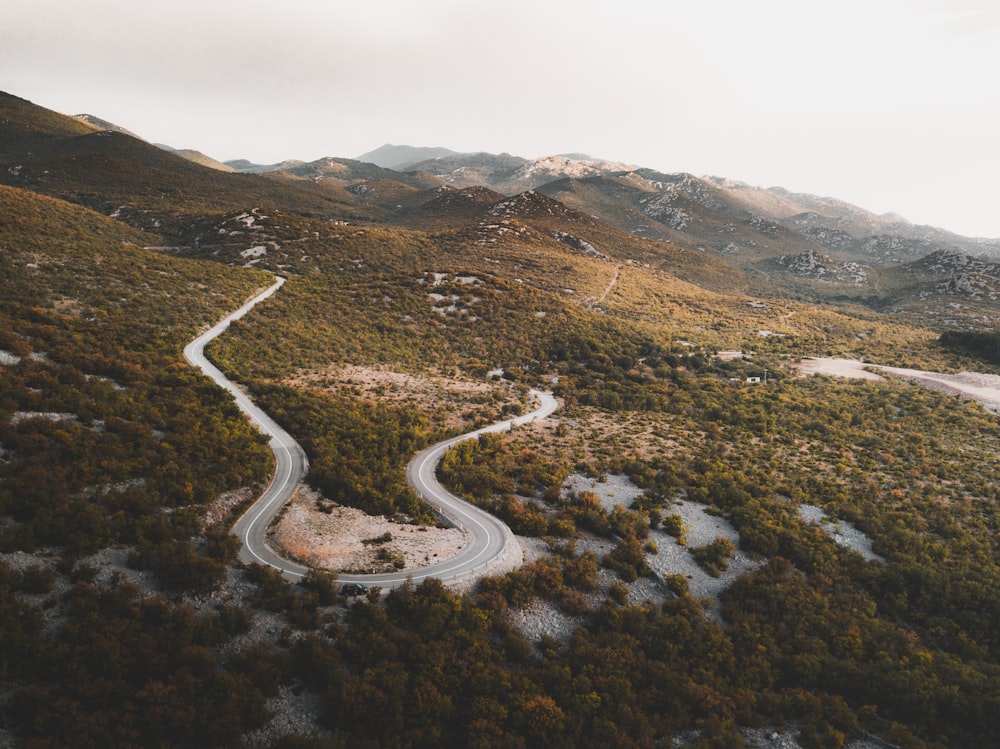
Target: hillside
x: 717, y: 548
x: 346, y: 172
x: 27, y: 127
x: 111, y: 172
x: 764, y: 240
x: 93, y: 324
x: 510, y: 174
x: 99, y: 124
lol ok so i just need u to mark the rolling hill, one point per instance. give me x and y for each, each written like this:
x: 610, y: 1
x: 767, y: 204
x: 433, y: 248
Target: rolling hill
x: 111, y: 172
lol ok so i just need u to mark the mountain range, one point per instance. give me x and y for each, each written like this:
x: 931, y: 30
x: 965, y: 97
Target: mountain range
x: 771, y: 239
x: 649, y: 203
x: 803, y: 244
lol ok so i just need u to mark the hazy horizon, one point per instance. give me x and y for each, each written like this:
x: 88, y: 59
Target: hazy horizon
x: 886, y: 104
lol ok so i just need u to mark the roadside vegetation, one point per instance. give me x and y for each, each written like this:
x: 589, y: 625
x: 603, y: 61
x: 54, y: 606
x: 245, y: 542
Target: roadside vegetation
x: 107, y: 435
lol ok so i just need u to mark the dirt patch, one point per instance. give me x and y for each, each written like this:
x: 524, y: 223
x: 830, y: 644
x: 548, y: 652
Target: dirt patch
x: 222, y: 508
x: 594, y: 435
x: 982, y: 388
x: 349, y: 540
x: 837, y: 368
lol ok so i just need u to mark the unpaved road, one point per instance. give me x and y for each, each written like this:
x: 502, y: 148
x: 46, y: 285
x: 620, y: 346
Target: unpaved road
x: 984, y: 388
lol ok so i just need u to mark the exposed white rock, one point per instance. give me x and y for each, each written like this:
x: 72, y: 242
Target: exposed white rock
x: 843, y: 533
x: 20, y: 416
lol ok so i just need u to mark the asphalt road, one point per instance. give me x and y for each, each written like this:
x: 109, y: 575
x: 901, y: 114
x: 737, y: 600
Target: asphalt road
x: 487, y: 536
x: 291, y: 464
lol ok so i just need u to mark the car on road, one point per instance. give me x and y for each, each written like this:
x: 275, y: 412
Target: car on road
x: 353, y: 589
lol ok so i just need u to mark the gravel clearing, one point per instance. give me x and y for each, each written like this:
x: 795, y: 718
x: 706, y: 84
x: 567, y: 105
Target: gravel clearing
x: 328, y: 536
x: 295, y: 713
x: 544, y: 619
x: 612, y: 490
x: 853, y: 368
x: 983, y: 388
x: 675, y: 559
x: 671, y: 558
x: 770, y: 738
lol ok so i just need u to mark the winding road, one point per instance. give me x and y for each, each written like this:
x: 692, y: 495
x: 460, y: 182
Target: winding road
x: 488, y: 537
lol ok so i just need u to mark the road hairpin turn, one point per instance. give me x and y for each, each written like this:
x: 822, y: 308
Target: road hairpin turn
x: 489, y: 538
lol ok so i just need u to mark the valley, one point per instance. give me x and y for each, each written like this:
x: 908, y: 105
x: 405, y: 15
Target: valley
x: 684, y: 575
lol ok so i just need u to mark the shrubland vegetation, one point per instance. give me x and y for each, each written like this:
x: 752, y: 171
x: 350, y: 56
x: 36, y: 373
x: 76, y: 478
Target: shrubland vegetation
x: 906, y: 640
x: 107, y: 439
x: 892, y: 459
x: 358, y: 451
x: 982, y: 345
x: 124, y: 671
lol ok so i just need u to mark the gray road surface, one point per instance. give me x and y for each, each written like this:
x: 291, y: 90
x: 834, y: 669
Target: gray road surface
x: 487, y: 536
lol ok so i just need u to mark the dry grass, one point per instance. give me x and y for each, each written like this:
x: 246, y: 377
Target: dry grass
x: 459, y: 401
x: 591, y: 435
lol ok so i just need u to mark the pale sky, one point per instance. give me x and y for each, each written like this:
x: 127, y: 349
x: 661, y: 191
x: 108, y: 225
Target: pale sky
x: 890, y: 104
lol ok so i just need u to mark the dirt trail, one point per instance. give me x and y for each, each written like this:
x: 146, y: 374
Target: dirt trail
x: 783, y: 319
x: 618, y: 272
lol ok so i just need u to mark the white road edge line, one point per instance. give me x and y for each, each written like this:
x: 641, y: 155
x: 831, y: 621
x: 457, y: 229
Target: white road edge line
x: 420, y: 474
